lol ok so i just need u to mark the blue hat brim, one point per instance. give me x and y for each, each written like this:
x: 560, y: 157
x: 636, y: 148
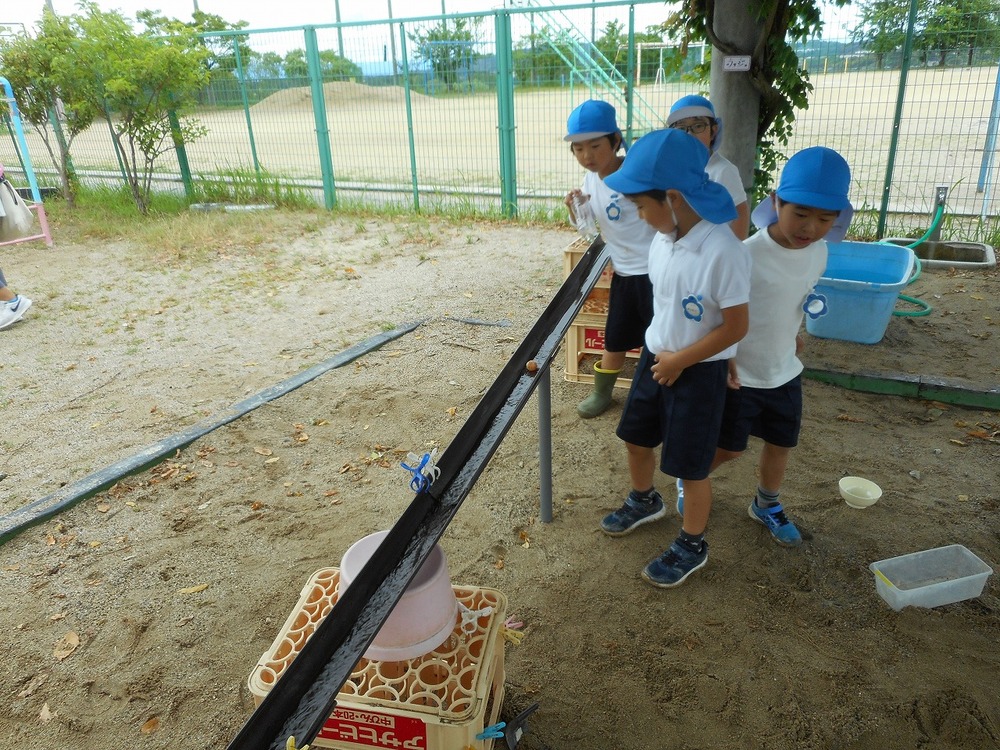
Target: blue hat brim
x: 711, y: 201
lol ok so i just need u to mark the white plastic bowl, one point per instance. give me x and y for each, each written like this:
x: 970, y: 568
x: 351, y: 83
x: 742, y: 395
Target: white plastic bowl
x: 425, y: 615
x: 859, y: 492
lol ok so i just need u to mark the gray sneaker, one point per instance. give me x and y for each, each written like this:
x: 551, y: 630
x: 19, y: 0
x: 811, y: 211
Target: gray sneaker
x: 635, y: 512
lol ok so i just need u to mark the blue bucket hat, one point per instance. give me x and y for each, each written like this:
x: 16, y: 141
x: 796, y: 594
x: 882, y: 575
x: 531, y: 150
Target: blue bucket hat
x: 673, y: 160
x: 816, y: 177
x: 696, y: 106
x: 591, y: 120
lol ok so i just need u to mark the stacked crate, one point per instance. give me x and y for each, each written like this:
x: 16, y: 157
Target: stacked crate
x: 439, y: 701
x: 585, y: 337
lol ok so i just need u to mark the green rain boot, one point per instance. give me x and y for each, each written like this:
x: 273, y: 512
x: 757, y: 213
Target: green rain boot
x: 600, y: 398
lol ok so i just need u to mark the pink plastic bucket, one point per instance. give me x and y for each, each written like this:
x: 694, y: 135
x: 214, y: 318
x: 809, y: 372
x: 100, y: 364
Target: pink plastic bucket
x: 424, y: 616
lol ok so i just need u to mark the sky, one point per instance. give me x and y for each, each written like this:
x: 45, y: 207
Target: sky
x: 265, y: 15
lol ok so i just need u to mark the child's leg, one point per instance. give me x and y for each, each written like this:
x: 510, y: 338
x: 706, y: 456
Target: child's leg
x: 689, y: 552
x: 605, y: 377
x: 697, y: 506
x: 766, y: 507
x: 773, y: 463
x: 641, y: 466
x: 6, y: 295
x: 612, y: 361
x: 643, y: 503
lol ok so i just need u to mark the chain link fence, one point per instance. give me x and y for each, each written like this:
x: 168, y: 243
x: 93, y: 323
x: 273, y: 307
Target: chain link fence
x: 470, y: 110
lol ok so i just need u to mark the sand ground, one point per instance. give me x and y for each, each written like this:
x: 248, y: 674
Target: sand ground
x: 135, y: 617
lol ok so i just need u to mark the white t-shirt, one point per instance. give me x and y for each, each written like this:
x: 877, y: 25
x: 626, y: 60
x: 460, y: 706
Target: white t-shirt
x: 694, y: 279
x: 623, y: 231
x: 781, y: 289
x: 724, y: 172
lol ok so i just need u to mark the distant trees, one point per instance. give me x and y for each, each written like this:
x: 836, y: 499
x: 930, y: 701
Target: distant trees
x: 942, y: 26
x: 332, y: 66
x: 449, y: 48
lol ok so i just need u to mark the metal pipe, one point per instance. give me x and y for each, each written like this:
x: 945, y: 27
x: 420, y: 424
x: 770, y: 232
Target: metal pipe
x: 897, y: 118
x: 545, y: 445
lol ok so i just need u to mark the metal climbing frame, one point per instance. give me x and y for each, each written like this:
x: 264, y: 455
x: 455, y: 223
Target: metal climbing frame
x: 22, y: 147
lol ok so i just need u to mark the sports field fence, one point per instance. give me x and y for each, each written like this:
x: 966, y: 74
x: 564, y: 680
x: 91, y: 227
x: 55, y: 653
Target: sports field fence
x: 469, y: 110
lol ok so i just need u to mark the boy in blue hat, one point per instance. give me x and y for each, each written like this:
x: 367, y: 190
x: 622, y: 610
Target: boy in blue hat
x: 809, y: 209
x: 695, y: 115
x: 595, y: 141
x: 700, y: 274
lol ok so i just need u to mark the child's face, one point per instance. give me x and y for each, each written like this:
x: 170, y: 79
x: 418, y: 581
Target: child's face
x: 701, y: 128
x: 655, y: 213
x: 799, y: 226
x: 597, y: 155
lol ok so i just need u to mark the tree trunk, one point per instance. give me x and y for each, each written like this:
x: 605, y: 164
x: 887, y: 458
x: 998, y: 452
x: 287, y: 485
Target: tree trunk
x: 735, y: 99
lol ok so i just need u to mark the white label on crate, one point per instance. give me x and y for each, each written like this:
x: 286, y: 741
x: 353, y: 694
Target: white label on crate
x: 371, y: 729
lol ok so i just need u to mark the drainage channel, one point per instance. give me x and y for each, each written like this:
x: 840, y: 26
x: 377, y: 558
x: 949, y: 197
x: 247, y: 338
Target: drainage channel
x: 300, y: 702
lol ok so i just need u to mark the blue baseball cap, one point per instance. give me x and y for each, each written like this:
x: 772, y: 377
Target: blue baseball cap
x: 696, y: 106
x: 590, y: 120
x: 815, y: 177
x: 673, y: 160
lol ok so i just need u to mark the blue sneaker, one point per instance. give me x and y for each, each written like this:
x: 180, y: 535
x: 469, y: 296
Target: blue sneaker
x: 674, y: 566
x: 783, y: 530
x: 680, y: 498
x: 635, y: 512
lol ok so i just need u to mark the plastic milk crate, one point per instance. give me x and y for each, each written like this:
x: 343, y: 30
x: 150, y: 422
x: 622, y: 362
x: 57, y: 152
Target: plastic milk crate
x: 861, y: 283
x: 585, y: 337
x: 438, y: 701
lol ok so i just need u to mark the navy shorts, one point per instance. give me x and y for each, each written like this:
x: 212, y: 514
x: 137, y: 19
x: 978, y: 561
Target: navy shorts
x: 630, y: 309
x: 685, y: 417
x: 772, y: 414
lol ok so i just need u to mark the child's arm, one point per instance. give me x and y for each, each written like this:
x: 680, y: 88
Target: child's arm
x: 735, y: 321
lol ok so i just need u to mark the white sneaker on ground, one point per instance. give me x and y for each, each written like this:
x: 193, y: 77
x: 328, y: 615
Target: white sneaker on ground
x: 13, y: 311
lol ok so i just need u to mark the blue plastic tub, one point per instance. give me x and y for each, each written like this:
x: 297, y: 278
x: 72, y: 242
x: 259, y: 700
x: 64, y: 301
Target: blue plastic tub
x: 861, y: 283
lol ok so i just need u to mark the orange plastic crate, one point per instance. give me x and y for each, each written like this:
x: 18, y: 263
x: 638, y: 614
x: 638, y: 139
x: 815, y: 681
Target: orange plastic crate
x: 438, y: 701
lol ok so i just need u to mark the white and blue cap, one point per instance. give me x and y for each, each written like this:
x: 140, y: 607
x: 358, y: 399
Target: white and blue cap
x: 816, y: 177
x: 591, y: 120
x: 673, y: 160
x: 696, y: 106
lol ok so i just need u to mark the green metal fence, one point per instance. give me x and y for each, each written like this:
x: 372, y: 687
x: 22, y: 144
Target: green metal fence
x: 471, y: 109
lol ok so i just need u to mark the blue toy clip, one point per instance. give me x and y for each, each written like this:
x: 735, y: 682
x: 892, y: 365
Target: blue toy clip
x: 493, y: 732
x: 424, y: 472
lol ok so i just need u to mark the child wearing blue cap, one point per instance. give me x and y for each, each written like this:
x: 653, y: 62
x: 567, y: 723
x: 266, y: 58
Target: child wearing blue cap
x: 700, y: 272
x: 809, y: 208
x: 695, y: 115
x: 595, y: 141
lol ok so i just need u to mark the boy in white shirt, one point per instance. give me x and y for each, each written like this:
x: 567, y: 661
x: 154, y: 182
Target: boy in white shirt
x: 595, y: 141
x: 809, y: 209
x: 700, y: 274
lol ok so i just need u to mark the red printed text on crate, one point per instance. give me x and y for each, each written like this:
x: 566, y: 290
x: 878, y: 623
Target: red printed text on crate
x: 372, y: 729
x: 593, y: 338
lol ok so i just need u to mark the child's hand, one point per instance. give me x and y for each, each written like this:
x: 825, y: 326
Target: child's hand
x: 665, y: 371
x: 570, y: 196
x: 733, y: 378
x: 799, y: 343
